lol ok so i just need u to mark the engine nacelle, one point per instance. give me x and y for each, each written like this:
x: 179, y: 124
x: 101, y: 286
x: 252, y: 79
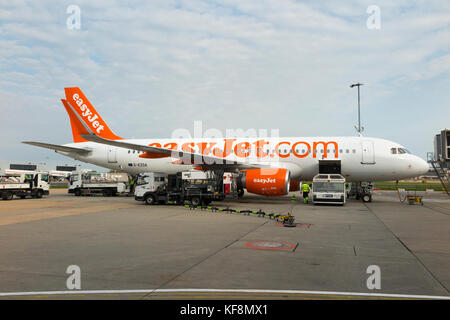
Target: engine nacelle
x: 267, y: 182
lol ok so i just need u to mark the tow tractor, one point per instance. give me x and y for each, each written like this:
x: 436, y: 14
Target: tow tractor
x: 329, y: 188
x: 189, y: 187
x: 86, y: 182
x: 34, y: 184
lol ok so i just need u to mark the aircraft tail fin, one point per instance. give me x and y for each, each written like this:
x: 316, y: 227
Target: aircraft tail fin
x: 77, y: 127
x: 82, y: 113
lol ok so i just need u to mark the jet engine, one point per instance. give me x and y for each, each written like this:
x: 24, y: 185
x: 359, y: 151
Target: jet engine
x: 268, y: 182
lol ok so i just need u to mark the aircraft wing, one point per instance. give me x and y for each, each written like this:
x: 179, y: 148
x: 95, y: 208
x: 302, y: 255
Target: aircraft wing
x: 58, y: 147
x: 183, y: 156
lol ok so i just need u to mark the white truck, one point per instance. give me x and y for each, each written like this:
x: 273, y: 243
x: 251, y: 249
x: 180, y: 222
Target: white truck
x: 88, y: 182
x: 34, y: 184
x: 329, y: 189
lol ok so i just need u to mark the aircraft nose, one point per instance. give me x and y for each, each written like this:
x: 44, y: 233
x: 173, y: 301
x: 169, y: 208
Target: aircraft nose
x: 421, y: 167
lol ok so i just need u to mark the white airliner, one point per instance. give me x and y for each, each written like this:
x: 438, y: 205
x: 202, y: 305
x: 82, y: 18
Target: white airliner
x: 269, y: 166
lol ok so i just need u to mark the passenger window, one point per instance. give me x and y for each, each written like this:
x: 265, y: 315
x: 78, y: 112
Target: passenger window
x: 354, y: 150
x: 347, y: 151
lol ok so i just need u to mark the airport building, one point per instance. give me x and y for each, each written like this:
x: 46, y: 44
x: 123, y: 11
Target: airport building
x: 55, y: 169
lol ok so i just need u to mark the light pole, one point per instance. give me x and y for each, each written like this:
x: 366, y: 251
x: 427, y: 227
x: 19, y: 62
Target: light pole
x: 359, y: 128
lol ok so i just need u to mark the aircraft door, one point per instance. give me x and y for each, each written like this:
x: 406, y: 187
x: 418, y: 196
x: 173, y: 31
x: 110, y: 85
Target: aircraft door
x: 112, y: 155
x: 368, y: 152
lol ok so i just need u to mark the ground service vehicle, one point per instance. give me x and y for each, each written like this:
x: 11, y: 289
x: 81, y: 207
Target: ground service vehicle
x: 92, y: 182
x: 22, y: 185
x: 191, y: 187
x: 329, y: 188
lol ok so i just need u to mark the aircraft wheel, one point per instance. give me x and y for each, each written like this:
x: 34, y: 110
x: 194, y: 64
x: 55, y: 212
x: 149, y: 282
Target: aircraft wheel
x: 240, y: 193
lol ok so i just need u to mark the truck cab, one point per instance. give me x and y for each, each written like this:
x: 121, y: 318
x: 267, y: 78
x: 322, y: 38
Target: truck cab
x: 34, y: 184
x: 149, y: 183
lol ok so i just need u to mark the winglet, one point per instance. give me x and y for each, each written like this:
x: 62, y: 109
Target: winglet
x: 78, y: 102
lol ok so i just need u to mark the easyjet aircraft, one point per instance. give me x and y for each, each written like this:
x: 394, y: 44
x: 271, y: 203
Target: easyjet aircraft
x: 269, y: 166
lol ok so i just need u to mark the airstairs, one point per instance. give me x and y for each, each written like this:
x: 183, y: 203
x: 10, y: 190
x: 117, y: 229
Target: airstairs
x: 440, y: 167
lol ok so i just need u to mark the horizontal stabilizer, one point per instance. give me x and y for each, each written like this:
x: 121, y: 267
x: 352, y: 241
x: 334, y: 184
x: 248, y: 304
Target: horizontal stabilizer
x: 58, y: 147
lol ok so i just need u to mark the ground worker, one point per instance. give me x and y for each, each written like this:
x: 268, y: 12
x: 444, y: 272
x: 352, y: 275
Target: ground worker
x: 293, y: 198
x: 132, y: 185
x: 305, y: 189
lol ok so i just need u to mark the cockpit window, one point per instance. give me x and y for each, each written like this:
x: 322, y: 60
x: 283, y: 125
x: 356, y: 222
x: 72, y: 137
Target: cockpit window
x: 399, y: 151
x: 403, y: 150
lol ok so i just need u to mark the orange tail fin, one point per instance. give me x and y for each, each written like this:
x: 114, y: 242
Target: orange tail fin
x: 78, y: 102
x: 77, y: 127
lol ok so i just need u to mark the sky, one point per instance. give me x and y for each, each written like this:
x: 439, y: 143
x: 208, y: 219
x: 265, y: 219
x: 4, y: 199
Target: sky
x: 153, y: 67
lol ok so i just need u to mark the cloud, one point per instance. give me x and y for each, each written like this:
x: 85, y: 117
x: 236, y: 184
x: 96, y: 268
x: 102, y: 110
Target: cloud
x: 150, y: 68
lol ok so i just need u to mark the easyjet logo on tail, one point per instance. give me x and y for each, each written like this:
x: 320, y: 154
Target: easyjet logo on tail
x: 87, y: 112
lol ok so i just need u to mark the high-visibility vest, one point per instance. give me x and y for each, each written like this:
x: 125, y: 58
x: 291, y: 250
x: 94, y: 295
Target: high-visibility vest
x: 305, y: 187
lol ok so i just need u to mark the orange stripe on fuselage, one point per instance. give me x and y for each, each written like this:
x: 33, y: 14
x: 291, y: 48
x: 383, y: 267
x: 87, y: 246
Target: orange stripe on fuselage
x: 246, y: 149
